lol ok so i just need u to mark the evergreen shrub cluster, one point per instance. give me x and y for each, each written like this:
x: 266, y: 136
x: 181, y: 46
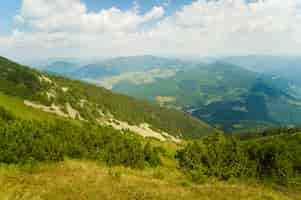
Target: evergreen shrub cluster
x: 23, y: 141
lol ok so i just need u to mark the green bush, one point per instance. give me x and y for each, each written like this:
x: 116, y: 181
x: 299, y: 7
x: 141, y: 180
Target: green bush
x: 273, y: 159
x: 6, y: 115
x: 31, y: 141
x: 216, y: 156
x: 226, y: 157
x: 151, y: 155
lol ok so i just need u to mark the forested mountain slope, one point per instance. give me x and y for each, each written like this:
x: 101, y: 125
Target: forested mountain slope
x: 288, y: 67
x: 86, y: 102
x: 222, y: 94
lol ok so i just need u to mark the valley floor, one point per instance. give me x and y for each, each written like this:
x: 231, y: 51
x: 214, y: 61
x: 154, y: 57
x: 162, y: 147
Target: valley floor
x: 79, y: 180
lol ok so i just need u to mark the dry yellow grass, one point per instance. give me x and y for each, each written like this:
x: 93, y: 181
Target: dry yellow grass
x: 77, y: 180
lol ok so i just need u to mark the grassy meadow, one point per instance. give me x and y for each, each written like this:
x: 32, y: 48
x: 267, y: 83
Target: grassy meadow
x: 79, y: 180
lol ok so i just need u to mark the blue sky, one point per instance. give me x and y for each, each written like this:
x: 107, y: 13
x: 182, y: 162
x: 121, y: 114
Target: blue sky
x: 92, y: 28
x: 10, y: 8
x: 126, y: 4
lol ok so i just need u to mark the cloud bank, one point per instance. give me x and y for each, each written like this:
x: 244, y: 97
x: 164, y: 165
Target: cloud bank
x: 49, y: 28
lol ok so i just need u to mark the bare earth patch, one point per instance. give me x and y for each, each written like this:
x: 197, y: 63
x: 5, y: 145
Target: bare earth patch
x: 143, y: 130
x: 71, y: 112
x: 50, y: 109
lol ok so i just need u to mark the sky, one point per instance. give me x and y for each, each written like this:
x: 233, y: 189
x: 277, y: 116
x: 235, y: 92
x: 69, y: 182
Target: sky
x: 36, y: 29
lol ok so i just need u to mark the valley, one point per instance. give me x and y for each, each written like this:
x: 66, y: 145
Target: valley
x: 224, y: 95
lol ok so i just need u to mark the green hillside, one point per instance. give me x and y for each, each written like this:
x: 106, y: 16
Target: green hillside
x: 57, y: 155
x: 95, y: 104
x: 62, y: 160
x: 224, y: 95
x: 16, y: 106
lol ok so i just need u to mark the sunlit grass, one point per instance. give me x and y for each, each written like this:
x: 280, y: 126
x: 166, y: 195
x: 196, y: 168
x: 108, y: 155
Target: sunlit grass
x: 18, y: 108
x: 88, y: 180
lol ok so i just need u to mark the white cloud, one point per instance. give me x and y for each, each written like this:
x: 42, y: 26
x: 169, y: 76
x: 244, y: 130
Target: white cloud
x: 200, y: 28
x: 234, y: 27
x: 72, y: 15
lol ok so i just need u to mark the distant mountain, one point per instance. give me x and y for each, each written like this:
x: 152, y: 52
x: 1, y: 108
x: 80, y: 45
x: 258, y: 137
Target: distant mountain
x: 61, y: 67
x: 93, y: 71
x: 88, y: 103
x: 288, y: 67
x: 117, y: 66
x: 141, y: 63
x: 226, y: 95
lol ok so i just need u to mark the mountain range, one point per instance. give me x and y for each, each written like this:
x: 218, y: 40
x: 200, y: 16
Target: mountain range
x: 238, y: 93
x: 225, y: 95
x: 116, y: 66
x: 288, y: 67
x: 61, y: 67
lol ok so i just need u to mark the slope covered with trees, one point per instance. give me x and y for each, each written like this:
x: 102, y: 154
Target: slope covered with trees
x: 94, y: 103
x: 229, y: 96
x: 288, y: 67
